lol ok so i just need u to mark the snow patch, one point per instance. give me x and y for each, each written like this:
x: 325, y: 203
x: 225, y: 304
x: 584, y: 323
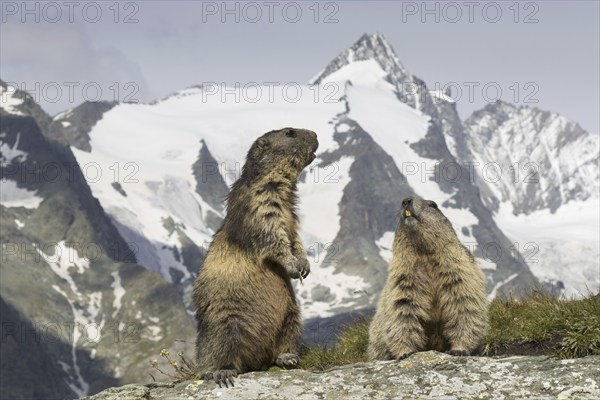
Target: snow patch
x: 118, y: 292
x: 8, y: 101
x: 343, y: 128
x: 10, y: 194
x: 346, y: 290
x: 361, y: 73
x: 461, y: 217
x: 499, y: 285
x: 486, y: 264
x: 320, y: 195
x: 63, y: 114
x: 155, y: 333
x: 13, y: 196
x: 564, y: 246
x: 86, y: 311
x: 12, y: 154
x: 385, y: 244
x: 79, y: 386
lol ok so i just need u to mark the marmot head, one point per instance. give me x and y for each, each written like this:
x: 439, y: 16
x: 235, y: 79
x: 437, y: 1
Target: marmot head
x: 288, y: 148
x: 422, y: 222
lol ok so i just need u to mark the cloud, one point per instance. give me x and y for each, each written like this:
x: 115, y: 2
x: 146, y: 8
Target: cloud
x: 57, y: 61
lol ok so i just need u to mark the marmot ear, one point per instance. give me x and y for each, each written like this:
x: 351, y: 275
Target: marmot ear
x: 263, y: 143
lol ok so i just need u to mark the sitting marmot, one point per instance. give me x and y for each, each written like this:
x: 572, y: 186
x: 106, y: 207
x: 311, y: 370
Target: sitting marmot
x: 434, y: 297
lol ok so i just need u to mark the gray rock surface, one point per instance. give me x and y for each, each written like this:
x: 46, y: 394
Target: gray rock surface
x: 72, y: 127
x: 428, y: 375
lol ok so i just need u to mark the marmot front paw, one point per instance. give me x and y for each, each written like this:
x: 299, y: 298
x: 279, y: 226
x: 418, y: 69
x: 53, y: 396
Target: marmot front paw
x: 298, y: 268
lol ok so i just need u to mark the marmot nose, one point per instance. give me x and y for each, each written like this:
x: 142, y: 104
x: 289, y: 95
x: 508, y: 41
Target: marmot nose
x: 407, y: 202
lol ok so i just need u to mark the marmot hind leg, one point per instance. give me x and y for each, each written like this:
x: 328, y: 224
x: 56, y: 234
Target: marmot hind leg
x: 286, y: 352
x: 465, y: 313
x: 407, y: 335
x: 378, y: 351
x: 219, y: 356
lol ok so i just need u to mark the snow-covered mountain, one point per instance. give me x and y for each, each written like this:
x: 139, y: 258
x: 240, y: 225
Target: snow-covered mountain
x: 78, y: 312
x: 378, y: 143
x: 536, y: 159
x: 153, y: 178
x: 540, y: 174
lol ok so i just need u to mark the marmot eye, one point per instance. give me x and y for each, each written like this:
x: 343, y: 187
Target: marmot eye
x: 433, y: 204
x: 290, y: 133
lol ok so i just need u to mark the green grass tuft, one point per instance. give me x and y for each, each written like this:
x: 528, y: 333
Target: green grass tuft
x: 543, y: 324
x: 537, y: 324
x: 351, y: 347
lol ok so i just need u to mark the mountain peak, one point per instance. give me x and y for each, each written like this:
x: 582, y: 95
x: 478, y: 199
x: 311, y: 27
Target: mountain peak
x: 18, y: 102
x: 374, y: 41
x: 11, y: 99
x: 499, y: 109
x: 371, y: 46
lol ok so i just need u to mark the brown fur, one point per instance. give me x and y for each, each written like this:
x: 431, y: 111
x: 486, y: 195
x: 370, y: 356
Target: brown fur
x: 434, y: 297
x: 247, y: 314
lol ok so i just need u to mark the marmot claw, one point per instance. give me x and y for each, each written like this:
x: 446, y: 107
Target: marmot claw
x: 222, y: 376
x: 286, y: 360
x: 299, y: 268
x: 405, y: 355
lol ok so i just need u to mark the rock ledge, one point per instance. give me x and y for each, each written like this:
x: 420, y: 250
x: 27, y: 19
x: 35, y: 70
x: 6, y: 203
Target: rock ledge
x: 425, y: 375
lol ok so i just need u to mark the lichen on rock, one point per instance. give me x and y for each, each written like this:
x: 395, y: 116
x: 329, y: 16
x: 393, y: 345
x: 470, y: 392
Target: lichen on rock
x: 426, y: 375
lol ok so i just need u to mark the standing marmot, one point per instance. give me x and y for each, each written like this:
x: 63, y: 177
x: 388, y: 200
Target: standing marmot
x: 246, y: 309
x: 434, y: 297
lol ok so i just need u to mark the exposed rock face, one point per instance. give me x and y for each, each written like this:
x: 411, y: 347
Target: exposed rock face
x: 210, y: 185
x: 428, y: 375
x: 77, y: 311
x: 72, y: 127
x: 548, y: 160
x: 368, y: 206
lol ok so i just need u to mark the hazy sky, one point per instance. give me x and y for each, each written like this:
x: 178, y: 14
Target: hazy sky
x: 532, y: 51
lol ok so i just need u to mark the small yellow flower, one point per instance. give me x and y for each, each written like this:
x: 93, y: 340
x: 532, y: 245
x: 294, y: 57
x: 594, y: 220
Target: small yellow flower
x: 154, y: 363
x: 164, y: 353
